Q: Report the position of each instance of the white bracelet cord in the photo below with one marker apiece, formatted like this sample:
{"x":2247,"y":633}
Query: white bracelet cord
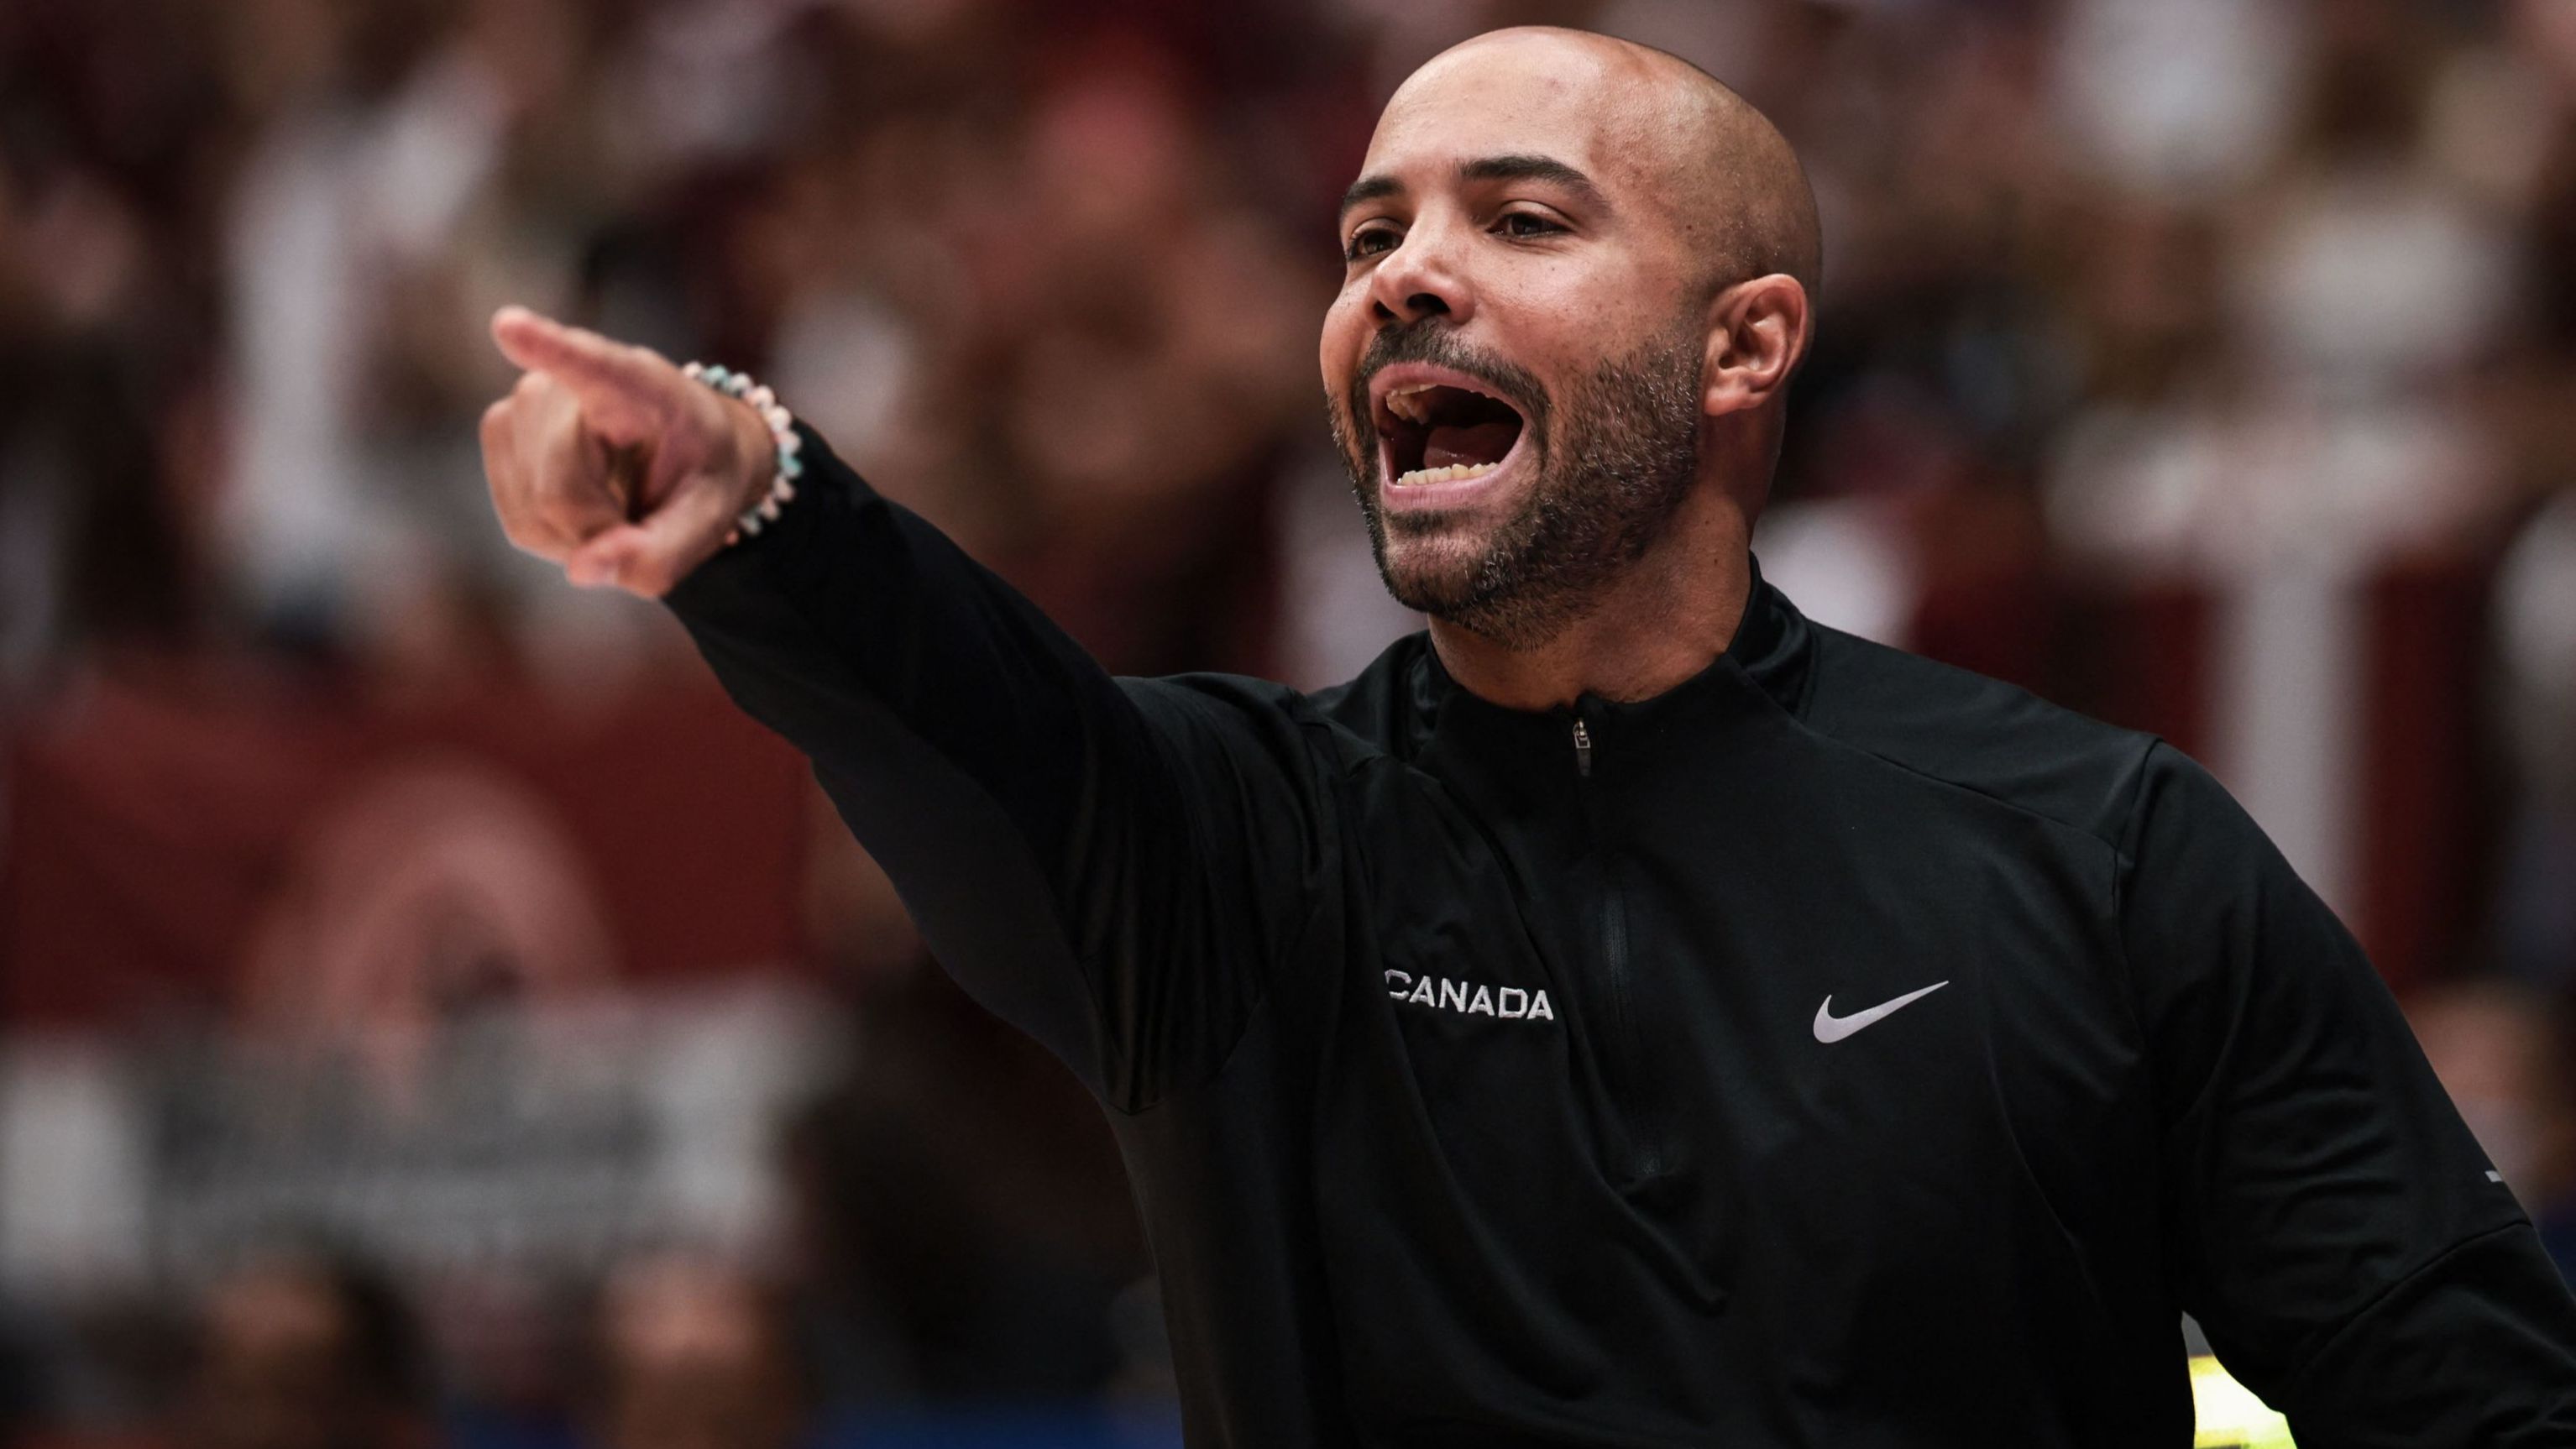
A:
{"x":782,"y":431}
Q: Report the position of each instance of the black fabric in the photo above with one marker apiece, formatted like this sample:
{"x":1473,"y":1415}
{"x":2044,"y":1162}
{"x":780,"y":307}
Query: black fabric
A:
{"x":1470,"y":1069}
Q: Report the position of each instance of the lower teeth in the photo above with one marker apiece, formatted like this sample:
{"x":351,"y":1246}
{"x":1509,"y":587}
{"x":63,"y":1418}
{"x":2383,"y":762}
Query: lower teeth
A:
{"x":1450,"y":474}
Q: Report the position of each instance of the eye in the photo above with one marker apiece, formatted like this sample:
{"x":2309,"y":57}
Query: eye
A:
{"x":1368,"y":241}
{"x":1522,"y":225}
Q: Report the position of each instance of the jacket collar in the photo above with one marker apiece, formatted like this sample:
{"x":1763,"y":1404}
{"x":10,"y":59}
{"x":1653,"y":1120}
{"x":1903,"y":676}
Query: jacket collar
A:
{"x":1763,"y":672}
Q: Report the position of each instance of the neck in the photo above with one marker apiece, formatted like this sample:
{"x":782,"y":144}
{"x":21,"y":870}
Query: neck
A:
{"x":1665,"y":619}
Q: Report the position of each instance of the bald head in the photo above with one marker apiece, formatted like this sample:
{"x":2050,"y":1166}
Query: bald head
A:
{"x":1725,"y":176}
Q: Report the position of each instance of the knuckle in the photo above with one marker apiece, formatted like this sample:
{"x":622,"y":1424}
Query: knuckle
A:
{"x":548,"y":505}
{"x":543,"y":539}
{"x":642,"y":569}
{"x":565,"y":498}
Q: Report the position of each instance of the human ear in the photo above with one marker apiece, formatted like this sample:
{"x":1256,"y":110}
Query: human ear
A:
{"x":1758,"y":333}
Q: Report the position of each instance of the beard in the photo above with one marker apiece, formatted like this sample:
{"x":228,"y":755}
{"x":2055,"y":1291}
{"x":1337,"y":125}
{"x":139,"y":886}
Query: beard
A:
{"x":1605,"y":484}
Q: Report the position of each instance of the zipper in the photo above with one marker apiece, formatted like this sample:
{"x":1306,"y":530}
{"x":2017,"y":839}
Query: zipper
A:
{"x":1612,"y":912}
{"x":1623,"y":1006}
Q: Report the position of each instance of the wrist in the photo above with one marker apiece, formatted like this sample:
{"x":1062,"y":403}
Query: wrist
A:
{"x":755,"y":450}
{"x":775,"y":450}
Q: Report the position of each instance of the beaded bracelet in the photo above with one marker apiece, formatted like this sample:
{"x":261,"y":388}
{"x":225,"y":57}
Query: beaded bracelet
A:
{"x":782,"y":431}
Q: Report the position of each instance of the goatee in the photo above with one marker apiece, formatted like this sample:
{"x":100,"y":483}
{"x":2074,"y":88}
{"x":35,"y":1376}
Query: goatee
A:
{"x":1608,"y":480}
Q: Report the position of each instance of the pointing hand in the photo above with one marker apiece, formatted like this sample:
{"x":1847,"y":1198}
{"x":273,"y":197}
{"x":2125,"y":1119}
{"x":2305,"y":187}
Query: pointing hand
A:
{"x":606,"y":460}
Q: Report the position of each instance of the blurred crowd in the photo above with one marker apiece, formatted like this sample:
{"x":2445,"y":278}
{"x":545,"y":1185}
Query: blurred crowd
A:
{"x":2264,"y":306}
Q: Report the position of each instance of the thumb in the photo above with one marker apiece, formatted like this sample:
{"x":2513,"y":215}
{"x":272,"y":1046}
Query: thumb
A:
{"x":649,"y":557}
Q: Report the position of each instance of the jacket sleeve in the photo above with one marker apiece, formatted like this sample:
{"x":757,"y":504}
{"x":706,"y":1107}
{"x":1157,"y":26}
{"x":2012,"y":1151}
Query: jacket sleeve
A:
{"x":2330,"y":1220}
{"x":1110,"y":864}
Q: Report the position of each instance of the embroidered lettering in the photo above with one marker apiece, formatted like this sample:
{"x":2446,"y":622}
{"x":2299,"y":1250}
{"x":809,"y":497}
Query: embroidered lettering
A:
{"x":1470,"y":998}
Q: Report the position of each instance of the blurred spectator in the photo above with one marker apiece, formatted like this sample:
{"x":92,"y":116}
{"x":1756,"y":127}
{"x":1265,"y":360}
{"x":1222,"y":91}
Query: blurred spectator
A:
{"x":305,"y":1352}
{"x":2502,"y":1050}
{"x":694,"y":1355}
{"x":2536,"y":621}
{"x":964,"y":1230}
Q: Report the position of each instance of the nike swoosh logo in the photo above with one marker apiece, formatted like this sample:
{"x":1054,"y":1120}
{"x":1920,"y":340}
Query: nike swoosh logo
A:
{"x":1830,"y":1027}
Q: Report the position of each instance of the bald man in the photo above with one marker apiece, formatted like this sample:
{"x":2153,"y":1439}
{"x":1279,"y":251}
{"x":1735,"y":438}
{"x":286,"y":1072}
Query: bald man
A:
{"x":1628,"y":1014}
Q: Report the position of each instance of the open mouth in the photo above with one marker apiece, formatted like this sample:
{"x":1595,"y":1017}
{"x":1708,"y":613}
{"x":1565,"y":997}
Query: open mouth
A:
{"x":1442,"y":432}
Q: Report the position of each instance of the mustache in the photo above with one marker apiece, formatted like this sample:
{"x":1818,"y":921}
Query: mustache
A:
{"x":1436,"y":341}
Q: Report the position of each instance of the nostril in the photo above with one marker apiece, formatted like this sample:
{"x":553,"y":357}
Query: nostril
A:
{"x":1419,"y":304}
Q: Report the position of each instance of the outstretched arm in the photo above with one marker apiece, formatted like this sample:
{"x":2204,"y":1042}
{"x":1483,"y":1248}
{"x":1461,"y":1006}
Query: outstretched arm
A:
{"x":1113,"y":865}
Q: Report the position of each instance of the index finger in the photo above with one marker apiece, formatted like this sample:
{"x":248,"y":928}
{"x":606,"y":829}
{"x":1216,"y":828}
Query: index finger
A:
{"x":623,"y":394}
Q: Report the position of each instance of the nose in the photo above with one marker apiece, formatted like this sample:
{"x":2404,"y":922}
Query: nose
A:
{"x":1421,"y":278}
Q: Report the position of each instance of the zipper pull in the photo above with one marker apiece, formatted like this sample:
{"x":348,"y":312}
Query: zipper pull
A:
{"x":1582,"y":749}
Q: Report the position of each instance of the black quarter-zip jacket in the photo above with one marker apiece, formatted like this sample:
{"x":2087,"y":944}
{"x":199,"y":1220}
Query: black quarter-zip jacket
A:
{"x":1837,"y":1050}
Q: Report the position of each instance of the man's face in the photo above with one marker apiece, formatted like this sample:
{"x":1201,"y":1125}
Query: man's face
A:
{"x":1512,"y":367}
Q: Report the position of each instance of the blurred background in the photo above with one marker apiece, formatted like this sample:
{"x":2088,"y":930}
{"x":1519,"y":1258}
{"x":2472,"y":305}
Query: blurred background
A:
{"x":430,"y":1015}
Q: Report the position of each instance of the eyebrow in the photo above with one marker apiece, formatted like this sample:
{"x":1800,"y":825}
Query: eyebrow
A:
{"x":1489,"y":168}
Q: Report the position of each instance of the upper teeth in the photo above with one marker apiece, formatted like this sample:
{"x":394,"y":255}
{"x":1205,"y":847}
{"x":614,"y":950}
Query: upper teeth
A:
{"x":1406,"y":403}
